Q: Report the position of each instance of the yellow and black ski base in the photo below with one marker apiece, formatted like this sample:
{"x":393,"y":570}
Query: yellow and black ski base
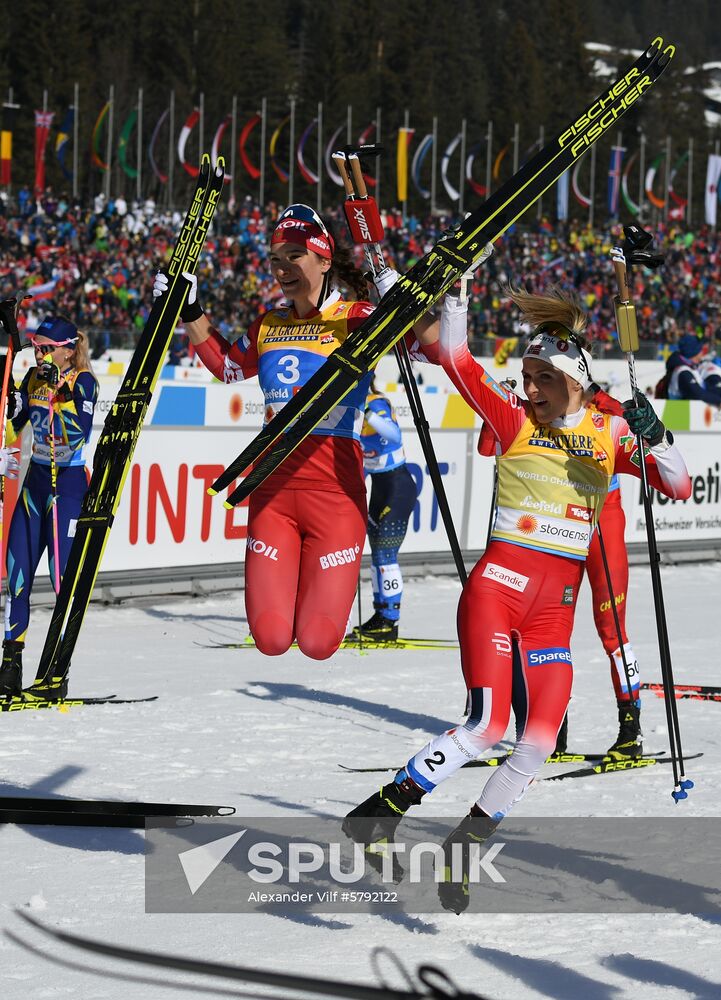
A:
{"x":114,"y":453}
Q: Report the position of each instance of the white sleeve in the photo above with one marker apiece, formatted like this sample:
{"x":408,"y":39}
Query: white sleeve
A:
{"x":453,"y":335}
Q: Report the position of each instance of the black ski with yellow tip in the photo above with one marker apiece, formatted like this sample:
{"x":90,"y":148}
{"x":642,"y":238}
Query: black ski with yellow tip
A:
{"x":114,"y":453}
{"x":417,"y":290}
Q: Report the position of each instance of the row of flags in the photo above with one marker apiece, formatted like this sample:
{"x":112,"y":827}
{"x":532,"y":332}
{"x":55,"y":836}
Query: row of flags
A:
{"x":43,"y":124}
{"x":458,"y":160}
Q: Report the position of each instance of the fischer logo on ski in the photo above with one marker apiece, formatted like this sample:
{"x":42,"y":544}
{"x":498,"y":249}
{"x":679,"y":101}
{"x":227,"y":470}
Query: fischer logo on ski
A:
{"x":430,"y":277}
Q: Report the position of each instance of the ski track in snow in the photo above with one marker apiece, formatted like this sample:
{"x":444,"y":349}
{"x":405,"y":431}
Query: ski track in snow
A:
{"x":266,"y":735}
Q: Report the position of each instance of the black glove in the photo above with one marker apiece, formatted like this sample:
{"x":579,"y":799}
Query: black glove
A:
{"x":64,"y":393}
{"x":15,"y":402}
{"x":49,"y":372}
{"x":642,"y":419}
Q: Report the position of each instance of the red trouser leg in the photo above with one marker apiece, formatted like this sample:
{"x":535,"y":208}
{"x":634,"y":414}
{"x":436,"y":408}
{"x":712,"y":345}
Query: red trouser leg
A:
{"x":272,"y":561}
{"x":613,"y":525}
{"x":301,"y":568}
{"x":334,"y":530}
{"x":530,"y":596}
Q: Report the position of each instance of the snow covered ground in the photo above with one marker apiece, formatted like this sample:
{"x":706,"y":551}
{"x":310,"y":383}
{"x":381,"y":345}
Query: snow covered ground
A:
{"x":267,"y":735}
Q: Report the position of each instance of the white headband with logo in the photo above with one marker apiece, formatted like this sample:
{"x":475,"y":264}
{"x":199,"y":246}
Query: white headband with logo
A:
{"x":562,"y":353}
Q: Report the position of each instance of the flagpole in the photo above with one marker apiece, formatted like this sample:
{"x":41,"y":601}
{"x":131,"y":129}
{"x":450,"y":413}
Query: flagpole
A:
{"x":171,"y":148}
{"x":201,"y":128}
{"x":593,"y":185}
{"x":489,"y":158}
{"x":406,"y":126}
{"x":541,"y":134}
{"x":76,"y":101}
{"x":109,"y":143}
{"x":378,"y":159}
{"x":618,"y":159}
{"x":667,"y":178}
{"x":291,"y":151}
{"x":319,"y":202}
{"x":462,"y":173}
{"x":689,"y":182}
{"x":233,"y":131}
{"x":716,"y":153}
{"x":641,"y":176}
{"x":434,"y":179}
{"x":263,"y":126}
{"x":139,"y":162}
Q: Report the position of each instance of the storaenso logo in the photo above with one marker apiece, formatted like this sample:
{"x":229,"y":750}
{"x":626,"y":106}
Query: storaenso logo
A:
{"x":628,"y":89}
{"x":341,"y":557}
{"x":362,"y":223}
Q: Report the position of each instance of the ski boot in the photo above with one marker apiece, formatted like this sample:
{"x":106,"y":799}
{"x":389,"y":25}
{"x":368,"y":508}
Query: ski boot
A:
{"x":373,"y":823}
{"x":562,"y":738}
{"x":378,"y":628}
{"x":628,"y":743}
{"x":52,"y":689}
{"x":475,"y":828}
{"x":11,"y":669}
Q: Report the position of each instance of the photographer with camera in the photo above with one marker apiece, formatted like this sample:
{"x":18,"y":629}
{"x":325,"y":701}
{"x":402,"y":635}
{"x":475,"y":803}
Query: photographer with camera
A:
{"x":57,"y":398}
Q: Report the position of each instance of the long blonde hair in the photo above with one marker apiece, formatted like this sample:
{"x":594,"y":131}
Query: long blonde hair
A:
{"x":80,"y":357}
{"x":556,"y":306}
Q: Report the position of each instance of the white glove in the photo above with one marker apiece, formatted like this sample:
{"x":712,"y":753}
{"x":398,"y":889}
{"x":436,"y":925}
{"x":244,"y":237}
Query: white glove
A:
{"x":9,"y":465}
{"x":192,"y":288}
{"x":385,"y":280}
{"x":191,"y":309}
{"x":160,"y":285}
{"x":618,"y":256}
{"x":461,"y":288}
{"x":453,"y":332}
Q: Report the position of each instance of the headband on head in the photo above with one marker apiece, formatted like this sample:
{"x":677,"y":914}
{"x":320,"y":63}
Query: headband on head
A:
{"x":58,"y":329}
{"x":299,"y":224}
{"x":559,"y":348}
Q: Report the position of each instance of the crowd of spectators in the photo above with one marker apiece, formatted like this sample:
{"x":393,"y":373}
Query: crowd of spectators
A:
{"x":95,"y":263}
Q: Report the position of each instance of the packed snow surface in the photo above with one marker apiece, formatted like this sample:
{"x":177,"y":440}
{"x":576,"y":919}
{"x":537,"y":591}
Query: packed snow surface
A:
{"x":266,"y":735}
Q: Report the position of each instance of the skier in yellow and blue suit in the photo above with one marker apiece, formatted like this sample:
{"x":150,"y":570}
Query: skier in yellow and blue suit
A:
{"x":393,"y":497}
{"x":63,"y":383}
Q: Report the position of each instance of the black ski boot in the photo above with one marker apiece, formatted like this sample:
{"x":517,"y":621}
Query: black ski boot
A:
{"x":373,"y":823}
{"x":378,"y":628}
{"x":54,"y":689}
{"x":11,"y":669}
{"x":628,"y":743}
{"x":562,"y":738}
{"x":454,"y":890}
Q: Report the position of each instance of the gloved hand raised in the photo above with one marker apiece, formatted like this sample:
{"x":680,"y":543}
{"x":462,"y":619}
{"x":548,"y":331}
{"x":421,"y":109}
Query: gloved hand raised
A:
{"x":459,"y":290}
{"x":385,"y":280}
{"x":48,"y":371}
{"x":192,"y":309}
{"x":9,"y":465}
{"x":641,"y":418}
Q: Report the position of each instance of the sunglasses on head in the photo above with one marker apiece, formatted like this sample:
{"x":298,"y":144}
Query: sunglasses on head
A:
{"x":563,"y":333}
{"x":53,"y":345}
{"x":306,"y":214}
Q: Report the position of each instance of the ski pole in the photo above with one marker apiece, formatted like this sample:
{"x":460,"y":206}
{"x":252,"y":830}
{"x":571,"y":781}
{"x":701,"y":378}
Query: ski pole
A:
{"x":636,"y":251}
{"x":53,"y":485}
{"x":9,"y":310}
{"x":366,"y":228}
{"x":360,"y":615}
{"x":616,"y":621}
